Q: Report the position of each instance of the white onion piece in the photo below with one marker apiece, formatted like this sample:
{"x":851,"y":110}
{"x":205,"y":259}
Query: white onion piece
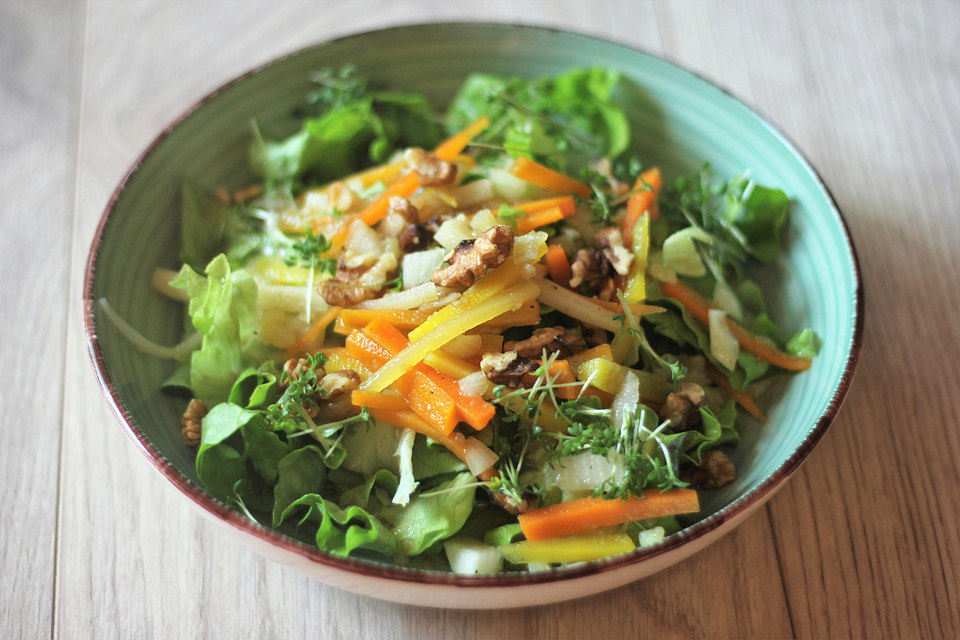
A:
{"x":483,"y":220}
{"x":508,"y":185}
{"x":475,"y":384}
{"x":472,"y":557}
{"x":723,"y":344}
{"x":726,"y":299}
{"x":649,"y":537}
{"x":474,"y":192}
{"x":478,"y":456}
{"x":586,"y":471}
{"x":409,"y":299}
{"x":452,"y":232}
{"x":407,"y":483}
{"x":362,"y":240}
{"x":420,"y":265}
{"x":626,"y":401}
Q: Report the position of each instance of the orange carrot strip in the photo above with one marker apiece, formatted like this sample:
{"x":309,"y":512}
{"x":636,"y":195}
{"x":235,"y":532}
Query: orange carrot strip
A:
{"x":388,"y":401}
{"x":404,"y":319}
{"x":455,"y":442}
{"x":641,"y":201}
{"x":563,"y":373}
{"x":741,"y":397}
{"x":313,"y":332}
{"x":557,"y":265}
{"x":375,"y":211}
{"x":449,"y":148}
{"x":537,"y":174}
{"x":760,"y":347}
{"x":383,"y":173}
{"x":566,"y":203}
{"x":423,"y":395}
{"x":473,"y":410}
{"x":586,"y":514}
{"x":539,"y":219}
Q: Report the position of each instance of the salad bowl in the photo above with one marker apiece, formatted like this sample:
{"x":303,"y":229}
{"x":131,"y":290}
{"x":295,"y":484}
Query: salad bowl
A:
{"x":680,"y":121}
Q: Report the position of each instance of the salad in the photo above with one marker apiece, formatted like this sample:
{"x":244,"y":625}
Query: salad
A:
{"x":489,"y":341}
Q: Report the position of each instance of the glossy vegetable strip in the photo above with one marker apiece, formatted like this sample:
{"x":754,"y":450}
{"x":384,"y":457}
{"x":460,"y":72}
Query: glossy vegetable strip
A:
{"x":760,"y":347}
{"x":562,"y":373}
{"x":473,"y":410}
{"x":438,"y":336}
{"x":423,"y":395}
{"x":539,"y":175}
{"x":494,"y":282}
{"x":526,"y":315}
{"x":405,"y":319}
{"x":388,"y":401}
{"x":635,"y":309}
{"x":339,"y":359}
{"x":590,"y":311}
{"x":582,"y":548}
{"x":600,"y":351}
{"x":587,"y":514}
{"x":557,"y":265}
{"x":314,"y":331}
{"x":455,"y":442}
{"x":566,"y":203}
{"x":449,"y":364}
{"x":377,"y":209}
{"x":741,"y":397}
{"x":641,"y":201}
{"x":383,"y":173}
{"x":538,"y":219}
{"x":636,"y":289}
{"x":449,"y":148}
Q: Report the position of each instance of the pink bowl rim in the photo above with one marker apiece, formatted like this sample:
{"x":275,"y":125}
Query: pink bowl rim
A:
{"x":369,"y":568}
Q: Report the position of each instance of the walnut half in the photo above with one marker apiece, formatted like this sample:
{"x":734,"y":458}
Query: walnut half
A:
{"x":192,"y":422}
{"x":473,"y":258}
{"x":554,"y":339}
{"x":681,"y":407}
{"x":716,"y":470}
{"x":506,"y":368}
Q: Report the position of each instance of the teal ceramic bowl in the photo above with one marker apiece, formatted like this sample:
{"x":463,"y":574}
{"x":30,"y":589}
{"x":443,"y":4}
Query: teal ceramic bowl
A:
{"x":679,"y":119}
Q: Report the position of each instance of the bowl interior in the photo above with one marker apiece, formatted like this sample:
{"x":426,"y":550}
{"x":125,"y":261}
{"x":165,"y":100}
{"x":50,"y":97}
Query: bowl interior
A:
{"x":679,"y":121}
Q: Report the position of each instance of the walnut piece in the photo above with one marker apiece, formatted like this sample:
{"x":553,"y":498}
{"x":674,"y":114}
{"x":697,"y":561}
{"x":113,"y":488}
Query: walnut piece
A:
{"x":506,"y":368}
{"x":592,"y":270}
{"x":358,"y":278}
{"x":510,"y":505}
{"x":610,"y":241}
{"x":472,"y":258}
{"x":294,"y":367}
{"x":433,"y":171}
{"x":192,"y":420}
{"x":415,"y":237}
{"x":335,"y":389}
{"x":554,"y":339}
{"x":681,"y":406}
{"x":716,"y":470}
{"x":403,"y":207}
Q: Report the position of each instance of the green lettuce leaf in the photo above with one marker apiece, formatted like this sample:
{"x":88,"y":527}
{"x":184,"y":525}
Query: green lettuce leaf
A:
{"x":565,"y":120}
{"x":716,"y":430}
{"x":429,"y":519}
{"x":504,"y":534}
{"x":298,"y":473}
{"x":805,"y":344}
{"x":256,"y":388}
{"x":235,"y":441}
{"x":339,"y":531}
{"x":222,"y":308}
{"x":760,"y":213}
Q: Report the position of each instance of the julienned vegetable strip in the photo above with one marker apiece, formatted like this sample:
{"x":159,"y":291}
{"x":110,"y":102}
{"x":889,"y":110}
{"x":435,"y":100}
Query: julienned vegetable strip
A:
{"x":377,"y":209}
{"x":571,"y":549}
{"x":566,"y":203}
{"x":387,"y":401}
{"x":443,"y":333}
{"x":648,"y":185}
{"x":760,"y":347}
{"x":587,"y":514}
{"x":405,"y":320}
{"x":584,"y":309}
{"x":540,"y":176}
{"x":539,"y":219}
{"x":557,"y":265}
{"x":455,"y":442}
{"x":424,"y":396}
{"x":494,"y":282}
{"x":449,"y":148}
{"x":473,"y":410}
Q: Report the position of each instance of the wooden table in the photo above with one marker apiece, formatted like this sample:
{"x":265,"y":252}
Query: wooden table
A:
{"x":862,"y":542}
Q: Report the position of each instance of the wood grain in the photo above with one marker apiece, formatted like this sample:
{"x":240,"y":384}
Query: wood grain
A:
{"x":862,"y":543}
{"x":38,"y":113}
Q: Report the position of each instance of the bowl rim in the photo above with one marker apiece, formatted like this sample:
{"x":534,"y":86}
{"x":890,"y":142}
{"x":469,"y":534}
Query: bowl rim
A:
{"x":751,"y":498}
